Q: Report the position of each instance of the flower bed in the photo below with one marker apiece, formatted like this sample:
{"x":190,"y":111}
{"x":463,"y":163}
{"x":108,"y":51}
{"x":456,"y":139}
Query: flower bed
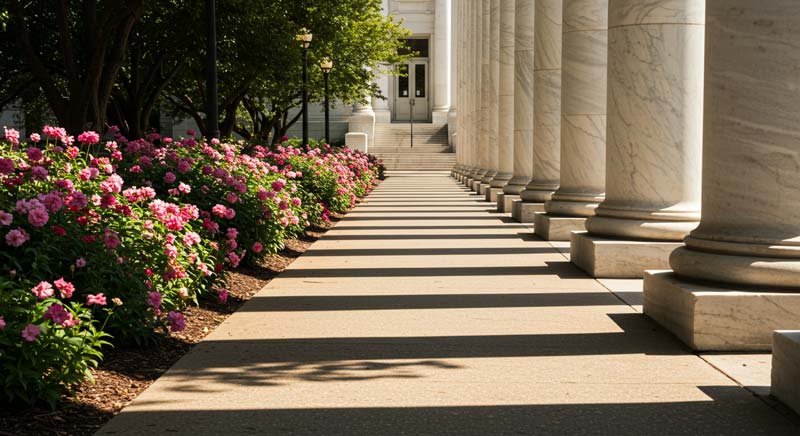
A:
{"x":109,"y":242}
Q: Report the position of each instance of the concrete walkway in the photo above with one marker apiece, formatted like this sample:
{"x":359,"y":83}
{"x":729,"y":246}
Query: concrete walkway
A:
{"x":425,"y":313}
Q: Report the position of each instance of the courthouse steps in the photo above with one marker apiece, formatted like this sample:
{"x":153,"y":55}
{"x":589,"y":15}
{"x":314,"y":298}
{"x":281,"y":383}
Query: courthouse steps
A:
{"x":431,"y":151}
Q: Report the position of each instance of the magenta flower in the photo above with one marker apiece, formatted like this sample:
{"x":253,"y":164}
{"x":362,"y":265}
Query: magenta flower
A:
{"x":257,"y":247}
{"x":278,"y":185}
{"x":98,"y":299}
{"x":2,"y":323}
{"x":34,"y":154}
{"x":31,"y":332}
{"x":39,"y":173}
{"x":169,"y":177}
{"x":64,"y":287}
{"x":222,"y":296}
{"x":17,"y":237}
{"x":6,"y":166}
{"x":57,"y":314}
{"x":154,"y":299}
{"x":176,"y":321}
{"x":80,"y":263}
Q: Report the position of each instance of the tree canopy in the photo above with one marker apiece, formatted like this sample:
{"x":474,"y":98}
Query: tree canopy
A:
{"x":100,"y":62}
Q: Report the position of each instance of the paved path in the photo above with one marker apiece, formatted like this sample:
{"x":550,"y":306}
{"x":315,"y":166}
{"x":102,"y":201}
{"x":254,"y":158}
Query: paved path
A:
{"x":424,"y":313}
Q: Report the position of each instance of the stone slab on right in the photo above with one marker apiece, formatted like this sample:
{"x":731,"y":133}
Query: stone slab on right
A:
{"x":556,"y":228}
{"x":618,"y":259}
{"x":786,"y":367}
{"x":523,"y":212}
{"x":709,"y":318}
{"x":505,"y":202}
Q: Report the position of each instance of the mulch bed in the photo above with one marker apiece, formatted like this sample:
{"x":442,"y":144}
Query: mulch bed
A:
{"x":126,"y":372}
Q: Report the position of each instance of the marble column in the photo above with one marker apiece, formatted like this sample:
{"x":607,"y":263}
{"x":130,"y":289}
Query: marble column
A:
{"x":484,"y":174}
{"x":654,"y":138}
{"x":738,"y":277}
{"x":505,"y":99}
{"x":524,"y":20}
{"x":546,"y":111}
{"x":452,"y":115}
{"x":493,"y":94}
{"x":471,"y":68}
{"x":362,"y":120}
{"x":441,"y":61}
{"x":583,"y":120}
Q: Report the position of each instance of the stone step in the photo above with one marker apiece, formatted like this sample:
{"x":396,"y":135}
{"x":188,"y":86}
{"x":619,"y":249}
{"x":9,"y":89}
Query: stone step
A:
{"x":406,"y":149}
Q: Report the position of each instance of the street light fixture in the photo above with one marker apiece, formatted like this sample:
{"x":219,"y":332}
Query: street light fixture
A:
{"x":304,"y":38}
{"x":326,"y":65}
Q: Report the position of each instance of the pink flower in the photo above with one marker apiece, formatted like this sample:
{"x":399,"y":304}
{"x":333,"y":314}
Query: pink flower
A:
{"x":184,"y":188}
{"x":230,"y":214}
{"x":43,"y":290}
{"x":31,"y":332}
{"x":35,"y":137}
{"x":38,"y":217}
{"x":89,"y":137}
{"x":64,"y":287}
{"x":5,"y":218}
{"x":73,"y":152}
{"x":111,"y":239}
{"x":191,"y":238}
{"x":169,"y":177}
{"x":12,"y":135}
{"x":113,"y":184}
{"x":80,"y":263}
{"x":98,"y":299}
{"x":184,"y":166}
{"x":231,"y":197}
{"x":176,"y":321}
{"x":296,"y":201}
{"x":154,"y":299}
{"x":257,"y":247}
{"x":57,"y":314}
{"x":219,"y":210}
{"x":17,"y":237}
{"x":222,"y":296}
{"x":191,"y":132}
{"x":2,"y":323}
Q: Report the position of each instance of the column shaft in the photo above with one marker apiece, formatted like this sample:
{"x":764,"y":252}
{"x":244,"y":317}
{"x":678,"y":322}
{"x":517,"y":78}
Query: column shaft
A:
{"x":583,"y":109}
{"x":547,"y":103}
{"x":441,"y":61}
{"x":524,"y":21}
{"x":505,"y":95}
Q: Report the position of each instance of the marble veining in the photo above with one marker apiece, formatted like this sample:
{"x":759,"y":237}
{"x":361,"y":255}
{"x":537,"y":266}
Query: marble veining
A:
{"x":627,"y":12}
{"x":524,"y":19}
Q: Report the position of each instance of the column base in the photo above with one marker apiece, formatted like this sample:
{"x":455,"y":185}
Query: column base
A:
{"x":482,"y":188}
{"x":476,"y":186}
{"x":618,"y":259}
{"x":556,"y":228}
{"x":523,"y":212}
{"x":786,"y":368}
{"x":468,"y":182}
{"x":504,"y":202}
{"x":491,"y":193}
{"x":439,"y":116}
{"x":711,"y":318}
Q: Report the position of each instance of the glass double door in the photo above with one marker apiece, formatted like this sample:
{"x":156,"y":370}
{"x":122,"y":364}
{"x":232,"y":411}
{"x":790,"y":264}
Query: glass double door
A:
{"x":411,"y":92}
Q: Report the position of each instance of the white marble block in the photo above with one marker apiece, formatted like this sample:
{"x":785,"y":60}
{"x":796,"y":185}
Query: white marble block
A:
{"x":556,"y":228}
{"x":491,"y":193}
{"x":523,"y":212}
{"x":505,"y":202}
{"x":618,"y":259}
{"x":356,"y":141}
{"x":786,"y":367}
{"x":715,"y":318}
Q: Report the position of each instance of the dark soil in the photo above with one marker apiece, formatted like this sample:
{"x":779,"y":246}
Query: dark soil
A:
{"x":125,"y":372}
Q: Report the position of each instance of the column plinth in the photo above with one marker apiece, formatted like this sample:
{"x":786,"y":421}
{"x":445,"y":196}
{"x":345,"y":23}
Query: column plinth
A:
{"x":738,"y":277}
{"x":583,"y":112}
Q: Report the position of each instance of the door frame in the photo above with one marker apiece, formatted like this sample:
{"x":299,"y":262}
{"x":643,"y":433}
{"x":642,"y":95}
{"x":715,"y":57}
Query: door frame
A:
{"x":396,"y":88}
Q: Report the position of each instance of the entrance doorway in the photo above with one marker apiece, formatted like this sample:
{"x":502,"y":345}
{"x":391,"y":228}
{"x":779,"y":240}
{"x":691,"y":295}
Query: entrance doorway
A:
{"x":411,"y":92}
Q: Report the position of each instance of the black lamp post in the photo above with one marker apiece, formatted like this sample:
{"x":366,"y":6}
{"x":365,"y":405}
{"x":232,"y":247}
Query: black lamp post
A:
{"x":212,"y":114}
{"x":326,"y":65}
{"x":304,"y":38}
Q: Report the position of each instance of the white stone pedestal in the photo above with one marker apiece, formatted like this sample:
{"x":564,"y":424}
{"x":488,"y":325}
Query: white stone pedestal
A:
{"x":483,"y":187}
{"x":710,"y":318}
{"x":474,"y":185}
{"x":356,"y":141}
{"x":786,"y":367}
{"x":505,"y":201}
{"x":556,"y":228}
{"x":523,"y":212}
{"x":491,"y":194}
{"x":618,"y":259}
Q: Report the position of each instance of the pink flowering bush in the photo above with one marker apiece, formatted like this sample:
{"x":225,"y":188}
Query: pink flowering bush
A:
{"x":104,"y":239}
